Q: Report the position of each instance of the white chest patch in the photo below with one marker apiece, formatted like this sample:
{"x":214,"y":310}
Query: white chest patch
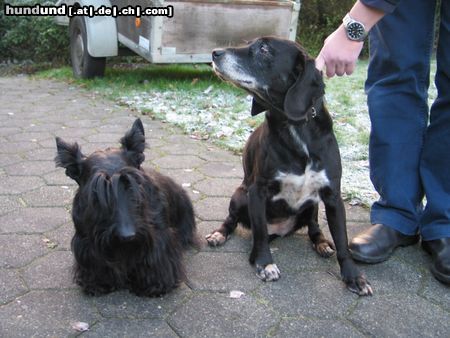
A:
{"x":297,"y":189}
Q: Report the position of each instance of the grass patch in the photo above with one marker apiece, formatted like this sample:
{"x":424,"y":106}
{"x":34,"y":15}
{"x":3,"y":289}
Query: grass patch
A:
{"x":124,"y":79}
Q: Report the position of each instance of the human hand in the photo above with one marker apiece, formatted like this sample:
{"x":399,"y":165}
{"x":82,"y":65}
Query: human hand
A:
{"x":339,"y":54}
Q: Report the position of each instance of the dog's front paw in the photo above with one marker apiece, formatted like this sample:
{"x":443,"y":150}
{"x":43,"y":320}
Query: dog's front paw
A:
{"x":215,"y":239}
{"x":269,"y":273}
{"x":360,"y":285}
{"x":324,"y":249}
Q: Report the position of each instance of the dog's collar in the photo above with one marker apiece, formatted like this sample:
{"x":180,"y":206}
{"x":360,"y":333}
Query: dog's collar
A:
{"x":311,"y":113}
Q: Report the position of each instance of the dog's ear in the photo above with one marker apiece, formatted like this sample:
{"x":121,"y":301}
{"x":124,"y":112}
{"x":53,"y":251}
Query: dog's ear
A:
{"x":134,"y":143}
{"x":69,"y":156}
{"x":308,"y":86}
{"x":257,"y":107}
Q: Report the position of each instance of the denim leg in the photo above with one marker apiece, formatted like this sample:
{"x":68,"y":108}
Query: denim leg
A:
{"x":435,"y":162}
{"x":397,"y":90}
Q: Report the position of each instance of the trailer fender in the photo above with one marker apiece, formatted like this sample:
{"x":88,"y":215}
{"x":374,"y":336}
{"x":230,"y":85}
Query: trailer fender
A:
{"x":101,"y":31}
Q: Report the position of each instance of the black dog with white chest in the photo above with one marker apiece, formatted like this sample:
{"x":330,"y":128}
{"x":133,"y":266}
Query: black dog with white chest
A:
{"x":291,"y":162}
{"x":131,"y":225}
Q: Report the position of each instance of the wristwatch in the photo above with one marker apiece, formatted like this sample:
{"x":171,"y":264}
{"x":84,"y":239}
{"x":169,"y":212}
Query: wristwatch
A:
{"x":355,"y":30}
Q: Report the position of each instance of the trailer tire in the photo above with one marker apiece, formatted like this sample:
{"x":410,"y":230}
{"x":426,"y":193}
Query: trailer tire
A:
{"x":84,"y":65}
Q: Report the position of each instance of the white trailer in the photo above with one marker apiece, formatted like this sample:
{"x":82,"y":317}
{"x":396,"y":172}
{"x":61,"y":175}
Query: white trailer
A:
{"x":189,"y":36}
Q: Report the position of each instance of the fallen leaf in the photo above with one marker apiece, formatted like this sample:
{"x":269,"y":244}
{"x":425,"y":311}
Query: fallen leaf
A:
{"x":80,"y":326}
{"x":236,"y":294}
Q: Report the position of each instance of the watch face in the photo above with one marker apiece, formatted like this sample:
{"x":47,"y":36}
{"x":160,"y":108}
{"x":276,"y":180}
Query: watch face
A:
{"x":355,"y":31}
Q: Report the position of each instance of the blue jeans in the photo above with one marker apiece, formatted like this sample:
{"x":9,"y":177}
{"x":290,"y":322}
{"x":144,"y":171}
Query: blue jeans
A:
{"x":409,"y":147}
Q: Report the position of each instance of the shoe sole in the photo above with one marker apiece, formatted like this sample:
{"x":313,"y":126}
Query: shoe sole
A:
{"x":437,"y":274}
{"x":373,"y":260}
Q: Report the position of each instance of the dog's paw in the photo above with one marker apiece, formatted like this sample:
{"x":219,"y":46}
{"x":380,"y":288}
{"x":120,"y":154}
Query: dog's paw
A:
{"x":324,"y":249}
{"x":215,"y":239}
{"x":269,"y":273}
{"x":360,"y":285}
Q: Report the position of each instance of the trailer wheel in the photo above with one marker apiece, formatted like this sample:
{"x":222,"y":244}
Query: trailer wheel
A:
{"x":84,"y":65}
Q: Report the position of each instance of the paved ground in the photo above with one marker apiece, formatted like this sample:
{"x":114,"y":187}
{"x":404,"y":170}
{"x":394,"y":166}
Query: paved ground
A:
{"x":38,"y":298}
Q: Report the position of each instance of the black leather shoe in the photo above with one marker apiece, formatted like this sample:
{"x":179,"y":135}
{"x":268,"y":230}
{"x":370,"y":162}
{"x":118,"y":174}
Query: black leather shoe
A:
{"x":439,"y":249}
{"x":377,"y":243}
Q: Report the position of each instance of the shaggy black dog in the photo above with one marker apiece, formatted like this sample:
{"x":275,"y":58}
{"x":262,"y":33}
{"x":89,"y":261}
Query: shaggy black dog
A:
{"x":131,"y":225}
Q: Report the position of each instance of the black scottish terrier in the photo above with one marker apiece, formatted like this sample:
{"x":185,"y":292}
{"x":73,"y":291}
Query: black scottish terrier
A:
{"x":131,"y":225}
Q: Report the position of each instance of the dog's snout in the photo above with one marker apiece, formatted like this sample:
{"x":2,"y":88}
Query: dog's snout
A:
{"x":126,"y":232}
{"x":217,"y":53}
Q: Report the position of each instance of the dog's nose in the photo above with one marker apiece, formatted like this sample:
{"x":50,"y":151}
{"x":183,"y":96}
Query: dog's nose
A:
{"x":126,"y":232}
{"x":217,"y":53}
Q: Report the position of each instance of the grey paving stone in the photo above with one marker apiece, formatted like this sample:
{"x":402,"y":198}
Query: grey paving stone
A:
{"x":222,"y":169}
{"x":53,"y":271}
{"x":49,"y":143}
{"x":105,"y":138}
{"x":295,"y":253}
{"x":155,"y":143}
{"x":30,"y":168}
{"x":30,"y":136}
{"x":112,"y":328}
{"x":32,"y":220}
{"x":185,"y":177}
{"x":437,"y":292}
{"x":223,"y":187}
{"x":20,"y":250}
{"x":7,"y":159}
{"x":217,"y":315}
{"x":413,"y":255}
{"x":185,"y":147}
{"x":122,"y":304}
{"x":310,"y":294}
{"x":309,"y":328}
{"x":62,"y":236}
{"x":214,"y":154}
{"x":50,"y":196}
{"x":114,"y":128}
{"x":11,"y":185}
{"x":42,"y":154}
{"x":81,"y":123}
{"x":10,"y":130}
{"x":393,"y":277}
{"x":17,"y":147}
{"x":400,"y":316}
{"x":212,"y":208}
{"x":75,"y":134}
{"x":9,"y":203}
{"x":42,"y":126}
{"x":46,"y":314}
{"x":150,"y":155}
{"x":221,"y":271}
{"x":357,"y":214}
{"x":58,"y":177}
{"x":178,"y":162}
{"x":11,"y":285}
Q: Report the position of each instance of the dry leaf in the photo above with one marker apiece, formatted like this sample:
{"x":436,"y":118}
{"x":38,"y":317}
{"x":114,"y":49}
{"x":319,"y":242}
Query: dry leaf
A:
{"x":236,"y":294}
{"x":80,"y":326}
